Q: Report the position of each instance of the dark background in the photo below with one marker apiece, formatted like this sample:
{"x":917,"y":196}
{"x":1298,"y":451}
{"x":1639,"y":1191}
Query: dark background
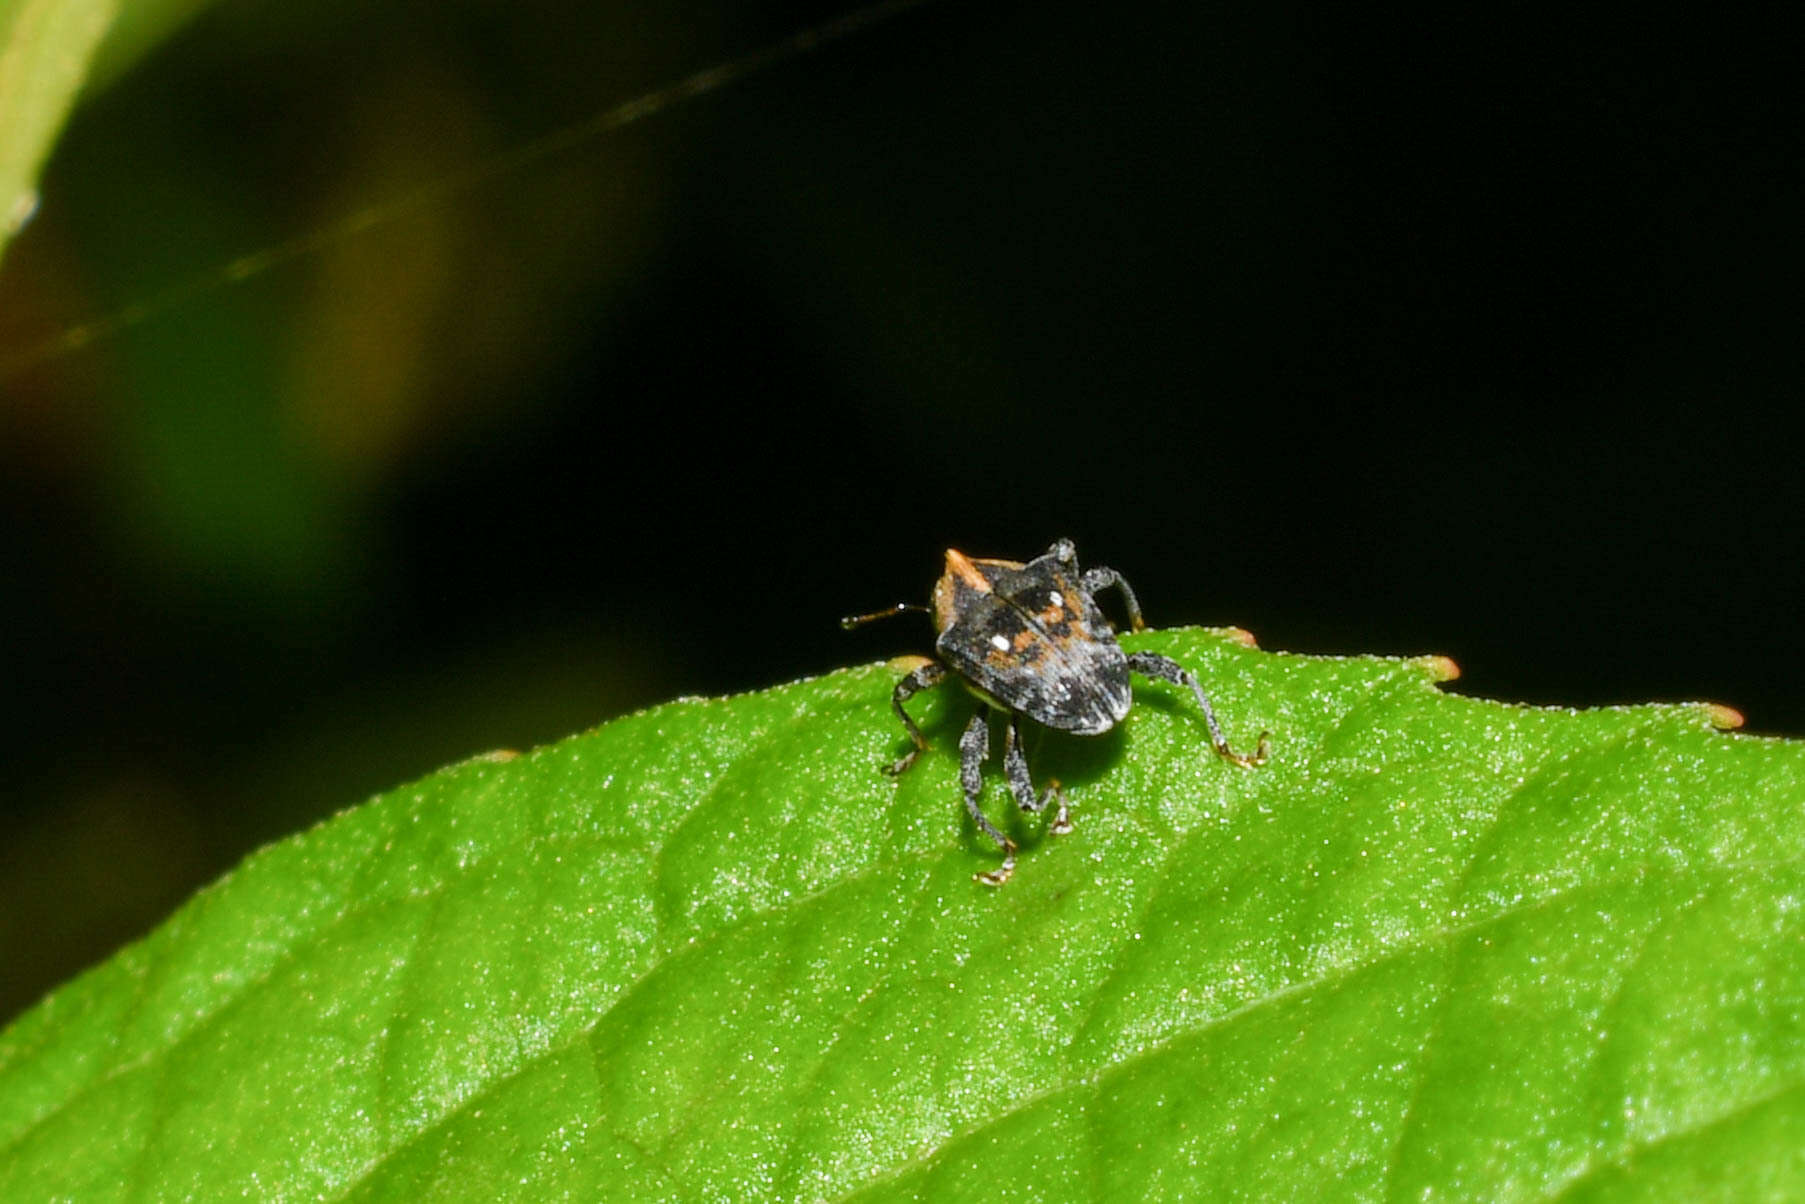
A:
{"x":1448,"y":332}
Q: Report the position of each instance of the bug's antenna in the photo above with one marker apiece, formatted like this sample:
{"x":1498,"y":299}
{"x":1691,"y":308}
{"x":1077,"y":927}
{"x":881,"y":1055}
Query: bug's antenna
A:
{"x":851,"y":621}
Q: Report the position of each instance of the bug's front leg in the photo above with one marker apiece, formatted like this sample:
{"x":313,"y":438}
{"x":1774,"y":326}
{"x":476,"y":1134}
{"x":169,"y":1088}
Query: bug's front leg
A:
{"x":974,"y":746}
{"x":926,"y":677}
{"x":1152,"y":664}
{"x":1015,"y":768}
{"x":1101,"y":579}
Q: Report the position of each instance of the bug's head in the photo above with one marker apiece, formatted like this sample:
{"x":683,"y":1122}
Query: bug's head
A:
{"x":962,"y":583}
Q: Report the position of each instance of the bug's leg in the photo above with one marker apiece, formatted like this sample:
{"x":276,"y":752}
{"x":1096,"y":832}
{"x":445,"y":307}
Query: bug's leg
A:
{"x":974,"y":746}
{"x":1015,"y":768}
{"x":1152,"y":664}
{"x":1101,"y":579}
{"x":925,"y":677}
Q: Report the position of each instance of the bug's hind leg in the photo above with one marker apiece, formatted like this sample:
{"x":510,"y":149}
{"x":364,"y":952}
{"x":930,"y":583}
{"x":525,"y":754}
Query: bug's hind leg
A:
{"x":925,"y":677}
{"x":1015,"y":768}
{"x":1152,"y":664}
{"x":974,"y":746}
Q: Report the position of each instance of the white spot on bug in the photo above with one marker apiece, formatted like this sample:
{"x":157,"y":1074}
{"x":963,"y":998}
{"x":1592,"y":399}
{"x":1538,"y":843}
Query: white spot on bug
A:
{"x":1056,"y":598}
{"x":1000,"y":643}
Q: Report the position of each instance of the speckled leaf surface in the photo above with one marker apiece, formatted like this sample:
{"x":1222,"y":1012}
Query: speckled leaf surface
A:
{"x":1438,"y":948}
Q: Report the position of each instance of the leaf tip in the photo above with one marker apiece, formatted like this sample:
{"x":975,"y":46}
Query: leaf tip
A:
{"x":1723,"y":718}
{"x":1439,"y":668}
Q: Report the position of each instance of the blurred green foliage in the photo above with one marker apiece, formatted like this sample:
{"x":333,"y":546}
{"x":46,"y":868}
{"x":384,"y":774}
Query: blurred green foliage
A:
{"x":217,"y":385}
{"x":53,"y":53}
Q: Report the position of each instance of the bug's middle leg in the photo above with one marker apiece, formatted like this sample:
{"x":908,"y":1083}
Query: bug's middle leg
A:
{"x":1015,"y":768}
{"x":974,"y":746}
{"x":1152,"y":664}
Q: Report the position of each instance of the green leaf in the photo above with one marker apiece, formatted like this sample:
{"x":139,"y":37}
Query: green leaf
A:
{"x":50,"y":51}
{"x":1436,"y":948}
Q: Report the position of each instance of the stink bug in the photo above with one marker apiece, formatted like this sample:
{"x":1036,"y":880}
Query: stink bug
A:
{"x":1029,"y":639}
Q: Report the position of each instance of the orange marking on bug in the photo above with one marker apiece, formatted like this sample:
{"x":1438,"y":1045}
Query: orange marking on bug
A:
{"x":1023,"y":639}
{"x":958,"y":565}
